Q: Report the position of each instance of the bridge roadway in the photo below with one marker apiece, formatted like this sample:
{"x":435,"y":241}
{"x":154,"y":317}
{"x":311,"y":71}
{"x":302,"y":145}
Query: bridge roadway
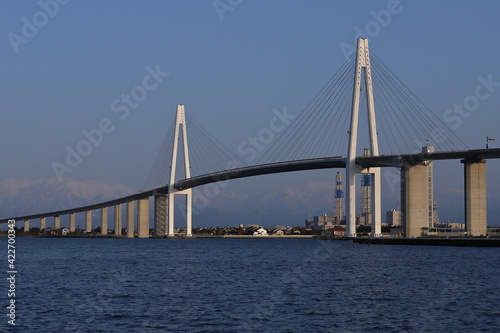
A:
{"x":417,"y":158}
{"x":335,"y":162}
{"x":264,"y":169}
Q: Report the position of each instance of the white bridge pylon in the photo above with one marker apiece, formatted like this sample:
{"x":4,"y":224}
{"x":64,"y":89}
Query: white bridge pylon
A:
{"x":363,"y":69}
{"x":180,"y":119}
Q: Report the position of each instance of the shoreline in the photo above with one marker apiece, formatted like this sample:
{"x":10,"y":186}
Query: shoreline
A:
{"x":429,"y":241}
{"x":473,"y":241}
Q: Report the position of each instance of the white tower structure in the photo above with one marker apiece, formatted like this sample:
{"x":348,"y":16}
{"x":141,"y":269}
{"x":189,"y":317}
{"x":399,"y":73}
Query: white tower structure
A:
{"x":339,"y":199}
{"x":363,"y":69}
{"x":180,"y":119}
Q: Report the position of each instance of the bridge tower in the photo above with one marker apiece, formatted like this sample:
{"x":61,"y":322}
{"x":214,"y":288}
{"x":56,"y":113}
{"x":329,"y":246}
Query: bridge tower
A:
{"x":362,"y":69}
{"x":180,"y":120}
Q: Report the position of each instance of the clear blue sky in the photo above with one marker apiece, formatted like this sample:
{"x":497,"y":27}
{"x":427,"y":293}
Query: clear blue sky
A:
{"x":230,"y":74}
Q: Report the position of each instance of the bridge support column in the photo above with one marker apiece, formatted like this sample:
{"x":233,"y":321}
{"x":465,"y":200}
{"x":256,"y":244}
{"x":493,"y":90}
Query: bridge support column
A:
{"x":475,"y":197}
{"x":189,"y":213}
{"x":130,"y":219}
{"x":161,"y":215}
{"x":72,"y":222}
{"x":118,"y":220}
{"x":171,"y":214}
{"x":171,"y":207}
{"x":88,"y":221}
{"x":43,"y":223}
{"x":26,"y":225}
{"x":414,"y":206}
{"x":57,"y":222}
{"x":377,"y":203}
{"x":351,"y":170}
{"x":104,"y":221}
{"x":143,"y":218}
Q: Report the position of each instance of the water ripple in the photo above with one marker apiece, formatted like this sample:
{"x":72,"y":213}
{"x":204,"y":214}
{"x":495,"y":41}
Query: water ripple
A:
{"x":222,"y":285}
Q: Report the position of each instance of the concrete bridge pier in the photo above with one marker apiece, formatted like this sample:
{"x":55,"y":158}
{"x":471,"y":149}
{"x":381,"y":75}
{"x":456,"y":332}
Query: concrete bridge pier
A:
{"x":475,"y":197}
{"x":376,"y":222}
{"x":351,"y":170}
{"x":88,"y":221}
{"x":43,"y":223}
{"x":170,"y":213}
{"x":161,"y":216}
{"x":189,"y":213}
{"x":130,"y":219}
{"x":118,"y":219}
{"x":104,"y":221}
{"x":171,"y":209}
{"x":413,"y":199}
{"x":57,"y":222}
{"x":143,"y":218}
{"x":26,"y":225}
{"x":72,"y":222}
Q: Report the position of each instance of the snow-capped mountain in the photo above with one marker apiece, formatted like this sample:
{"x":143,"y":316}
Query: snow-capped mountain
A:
{"x":24,"y":197}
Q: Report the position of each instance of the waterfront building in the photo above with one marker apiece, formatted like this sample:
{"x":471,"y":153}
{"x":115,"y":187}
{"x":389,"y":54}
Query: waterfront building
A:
{"x":393,"y":218}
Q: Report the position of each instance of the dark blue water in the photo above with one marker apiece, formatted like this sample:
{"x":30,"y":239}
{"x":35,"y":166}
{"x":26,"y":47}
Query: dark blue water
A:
{"x":252,"y":285}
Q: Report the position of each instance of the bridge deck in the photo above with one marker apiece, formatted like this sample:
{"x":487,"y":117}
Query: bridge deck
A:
{"x":397,"y":160}
{"x":264,"y":169}
{"x":113,"y":202}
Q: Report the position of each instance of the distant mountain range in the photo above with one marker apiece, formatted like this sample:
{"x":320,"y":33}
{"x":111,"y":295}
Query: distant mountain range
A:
{"x":24,"y":197}
{"x":286,"y":206}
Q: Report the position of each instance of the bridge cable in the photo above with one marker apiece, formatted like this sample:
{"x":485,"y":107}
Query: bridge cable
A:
{"x":288,"y":140}
{"x":384,"y":98}
{"x":211,"y":149}
{"x":401,"y":99}
{"x":158,"y":173}
{"x":299,"y":135}
{"x":426,"y":115}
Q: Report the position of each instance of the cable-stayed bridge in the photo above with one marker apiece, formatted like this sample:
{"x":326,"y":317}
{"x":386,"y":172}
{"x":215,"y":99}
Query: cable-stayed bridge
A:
{"x":403,"y":133}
